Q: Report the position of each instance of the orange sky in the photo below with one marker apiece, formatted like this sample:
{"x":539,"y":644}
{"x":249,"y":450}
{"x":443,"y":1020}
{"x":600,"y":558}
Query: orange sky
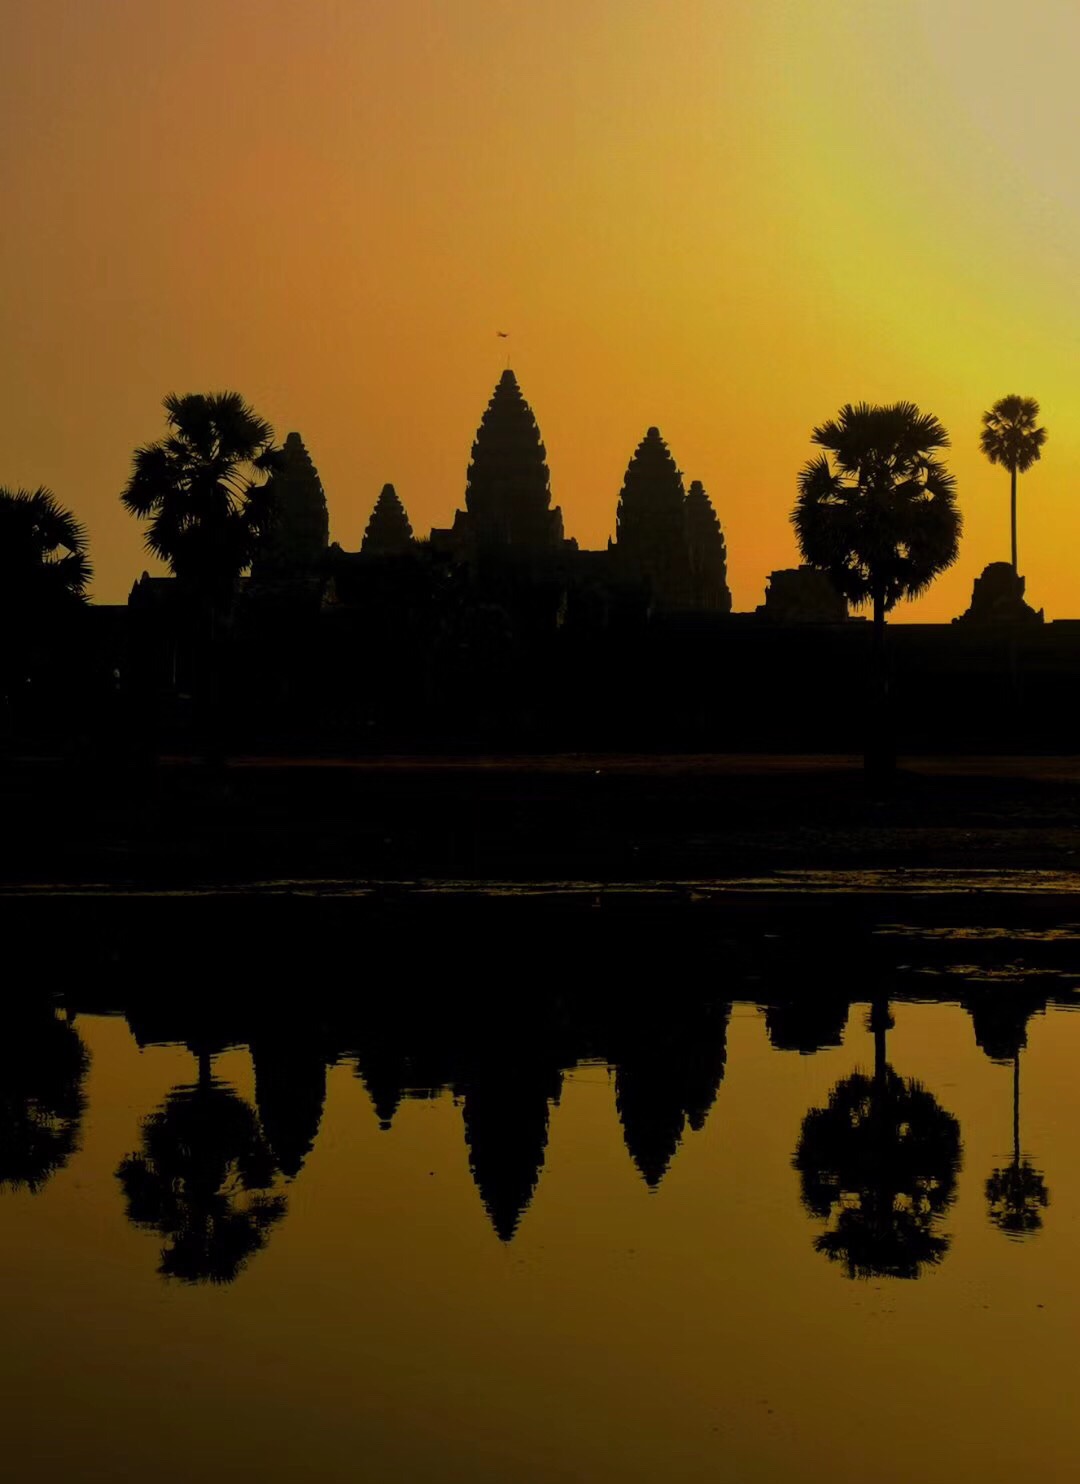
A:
{"x":726,"y":217}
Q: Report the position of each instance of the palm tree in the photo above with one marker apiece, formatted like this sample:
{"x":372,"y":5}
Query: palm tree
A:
{"x":204,"y":491}
{"x":1016,"y":1194}
{"x":43,"y":1065}
{"x":879,"y":1166}
{"x":877,"y":512}
{"x":203,"y":1180}
{"x":43,"y":557}
{"x":1010,"y":437}
{"x":44,"y":572}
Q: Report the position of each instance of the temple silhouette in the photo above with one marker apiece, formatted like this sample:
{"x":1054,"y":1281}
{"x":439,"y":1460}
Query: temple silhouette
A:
{"x":498,"y":631}
{"x":669,"y":550}
{"x":668,"y":554}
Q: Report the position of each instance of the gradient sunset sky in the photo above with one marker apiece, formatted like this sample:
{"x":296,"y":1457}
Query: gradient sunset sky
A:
{"x":725,"y":217}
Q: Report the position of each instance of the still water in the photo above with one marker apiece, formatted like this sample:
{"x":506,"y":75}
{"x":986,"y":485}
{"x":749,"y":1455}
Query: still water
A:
{"x":816,"y":1239}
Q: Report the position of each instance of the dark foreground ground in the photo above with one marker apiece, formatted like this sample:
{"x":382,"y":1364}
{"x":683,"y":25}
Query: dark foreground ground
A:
{"x":598,"y":821}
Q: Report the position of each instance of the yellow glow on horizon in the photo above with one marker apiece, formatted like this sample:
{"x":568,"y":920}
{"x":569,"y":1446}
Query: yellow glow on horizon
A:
{"x":723,"y":218}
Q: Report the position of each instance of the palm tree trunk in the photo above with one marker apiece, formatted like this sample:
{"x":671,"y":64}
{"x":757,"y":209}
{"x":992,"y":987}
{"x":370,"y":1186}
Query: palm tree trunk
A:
{"x":212,"y":638}
{"x":1012,"y":471}
{"x":879,"y":1024}
{"x":879,"y":762}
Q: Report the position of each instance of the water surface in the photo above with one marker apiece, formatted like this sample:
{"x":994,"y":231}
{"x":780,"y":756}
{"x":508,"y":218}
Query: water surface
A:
{"x":676,"y":1237}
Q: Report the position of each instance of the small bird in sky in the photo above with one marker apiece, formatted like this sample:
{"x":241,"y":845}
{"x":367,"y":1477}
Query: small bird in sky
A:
{"x":503,"y":334}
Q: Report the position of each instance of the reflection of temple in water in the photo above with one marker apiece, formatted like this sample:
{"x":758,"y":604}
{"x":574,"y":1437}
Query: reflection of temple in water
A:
{"x":505,"y":1112}
{"x":211,"y":1171}
{"x":667,"y":1077}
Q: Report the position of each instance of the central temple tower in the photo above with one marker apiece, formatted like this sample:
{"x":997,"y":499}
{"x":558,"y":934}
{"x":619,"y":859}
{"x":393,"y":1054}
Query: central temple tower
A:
{"x":508,"y":509}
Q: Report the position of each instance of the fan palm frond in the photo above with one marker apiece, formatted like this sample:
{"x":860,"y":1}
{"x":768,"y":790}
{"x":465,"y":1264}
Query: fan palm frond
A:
{"x":877,"y":510}
{"x":1010,"y":434}
{"x":44,"y":557}
{"x":202,"y":489}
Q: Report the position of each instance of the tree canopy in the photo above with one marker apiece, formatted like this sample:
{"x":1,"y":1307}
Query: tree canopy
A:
{"x":203,"y":1180}
{"x":877,"y":510}
{"x":879,"y":1165}
{"x":1010,"y":434}
{"x":43,"y":1065}
{"x":44,"y":561}
{"x":1012,"y":438}
{"x":203,"y":489}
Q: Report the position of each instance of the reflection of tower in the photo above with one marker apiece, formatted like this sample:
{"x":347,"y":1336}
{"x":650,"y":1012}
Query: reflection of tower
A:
{"x":878,"y":1165}
{"x":506,"y":1110}
{"x":508,"y":496}
{"x":667,"y":1075}
{"x":290,"y":1089}
{"x":383,"y":1070}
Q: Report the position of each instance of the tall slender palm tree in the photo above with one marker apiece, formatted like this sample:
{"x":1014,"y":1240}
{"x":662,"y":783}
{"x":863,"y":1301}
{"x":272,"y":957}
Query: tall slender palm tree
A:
{"x":203,"y":489}
{"x":1016,"y":1194}
{"x":1010,"y":437}
{"x":877,"y":512}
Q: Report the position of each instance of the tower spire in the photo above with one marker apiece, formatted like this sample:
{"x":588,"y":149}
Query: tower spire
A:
{"x":508,"y":488}
{"x":388,"y":531}
{"x":650,"y":523}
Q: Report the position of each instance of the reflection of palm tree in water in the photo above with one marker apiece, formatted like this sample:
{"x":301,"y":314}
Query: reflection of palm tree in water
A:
{"x":201,"y":1180}
{"x":43,"y":1065}
{"x":1000,"y":1010}
{"x":879,"y":1165}
{"x":1017,"y":1193}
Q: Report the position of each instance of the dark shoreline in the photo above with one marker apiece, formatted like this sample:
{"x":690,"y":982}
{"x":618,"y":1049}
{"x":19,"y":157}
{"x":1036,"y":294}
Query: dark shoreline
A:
{"x":597,"y":820}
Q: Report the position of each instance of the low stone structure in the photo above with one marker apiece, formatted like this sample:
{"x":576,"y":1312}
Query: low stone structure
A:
{"x":801,"y":595}
{"x":997,"y":599}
